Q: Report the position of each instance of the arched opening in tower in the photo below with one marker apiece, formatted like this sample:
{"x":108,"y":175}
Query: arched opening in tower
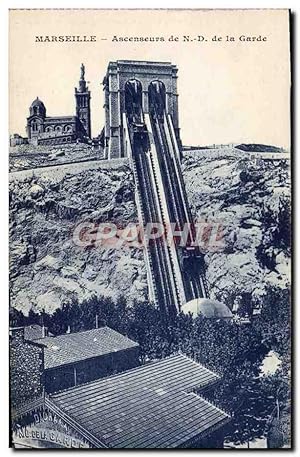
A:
{"x":133,"y":101}
{"x":157,"y":98}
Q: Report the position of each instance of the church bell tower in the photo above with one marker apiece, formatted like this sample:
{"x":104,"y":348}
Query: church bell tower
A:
{"x":83,"y":109}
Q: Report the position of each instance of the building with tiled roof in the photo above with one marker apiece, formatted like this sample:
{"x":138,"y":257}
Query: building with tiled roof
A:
{"x":74,"y":358}
{"x":71,"y":348}
{"x":158,"y":405}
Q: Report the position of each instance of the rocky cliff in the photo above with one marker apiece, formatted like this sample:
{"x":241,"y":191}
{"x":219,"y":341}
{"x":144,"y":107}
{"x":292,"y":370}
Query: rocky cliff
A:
{"x":27,"y":156}
{"x":47,"y":268}
{"x":248,"y":196}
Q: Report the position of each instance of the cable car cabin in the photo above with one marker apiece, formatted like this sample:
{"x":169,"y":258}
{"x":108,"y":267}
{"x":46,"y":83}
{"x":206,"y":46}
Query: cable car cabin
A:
{"x":140,"y":137}
{"x":190,"y":258}
{"x":189,"y":251}
{"x":157,"y":99}
{"x":192,"y":251}
{"x":133,"y":100}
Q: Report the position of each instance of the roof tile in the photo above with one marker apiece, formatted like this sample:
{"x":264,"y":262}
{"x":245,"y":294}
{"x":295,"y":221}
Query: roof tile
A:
{"x":152,"y":406}
{"x":75,"y":347}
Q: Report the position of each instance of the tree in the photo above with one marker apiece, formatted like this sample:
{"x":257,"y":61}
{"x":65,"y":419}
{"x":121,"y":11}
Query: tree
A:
{"x":16,"y":318}
{"x":233,"y":351}
{"x":251,"y":414}
{"x":276,"y":230}
{"x":275,"y":322}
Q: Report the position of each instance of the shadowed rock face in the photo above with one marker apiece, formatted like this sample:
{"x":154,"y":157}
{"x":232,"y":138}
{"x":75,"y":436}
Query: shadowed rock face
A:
{"x":249,"y":198}
{"x":48,"y":269}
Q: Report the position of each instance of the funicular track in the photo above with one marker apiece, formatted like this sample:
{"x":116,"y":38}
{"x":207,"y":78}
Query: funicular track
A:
{"x":157,"y":248}
{"x":195,"y":284}
{"x":176,"y":271}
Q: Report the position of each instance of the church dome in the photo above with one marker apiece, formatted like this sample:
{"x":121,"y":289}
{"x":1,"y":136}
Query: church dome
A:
{"x":208,"y":308}
{"x":37,"y":107}
{"x":37,"y":102}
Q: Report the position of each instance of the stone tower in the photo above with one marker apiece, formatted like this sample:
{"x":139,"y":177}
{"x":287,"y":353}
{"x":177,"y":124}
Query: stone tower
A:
{"x":144,"y":73}
{"x":83,"y":109}
{"x":35,"y":121}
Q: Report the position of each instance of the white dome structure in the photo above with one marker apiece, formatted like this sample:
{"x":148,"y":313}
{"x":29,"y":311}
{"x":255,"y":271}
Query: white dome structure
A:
{"x":212,"y":309}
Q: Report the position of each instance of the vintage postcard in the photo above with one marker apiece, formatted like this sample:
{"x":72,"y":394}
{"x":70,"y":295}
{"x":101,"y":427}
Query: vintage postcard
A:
{"x":150,"y":229}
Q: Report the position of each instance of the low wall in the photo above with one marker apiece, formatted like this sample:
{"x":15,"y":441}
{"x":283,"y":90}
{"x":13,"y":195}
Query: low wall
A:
{"x":59,"y":171}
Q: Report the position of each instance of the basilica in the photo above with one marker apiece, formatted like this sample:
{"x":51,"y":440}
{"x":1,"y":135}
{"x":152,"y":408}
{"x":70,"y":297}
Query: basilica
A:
{"x":52,"y":130}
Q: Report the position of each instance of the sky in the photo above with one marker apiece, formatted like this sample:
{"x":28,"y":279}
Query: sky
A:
{"x":229,"y":91}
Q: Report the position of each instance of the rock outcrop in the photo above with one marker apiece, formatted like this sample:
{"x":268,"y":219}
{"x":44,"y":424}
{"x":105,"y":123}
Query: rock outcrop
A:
{"x":27,"y":156}
{"x":248,"y":197}
{"x":47,"y":268}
